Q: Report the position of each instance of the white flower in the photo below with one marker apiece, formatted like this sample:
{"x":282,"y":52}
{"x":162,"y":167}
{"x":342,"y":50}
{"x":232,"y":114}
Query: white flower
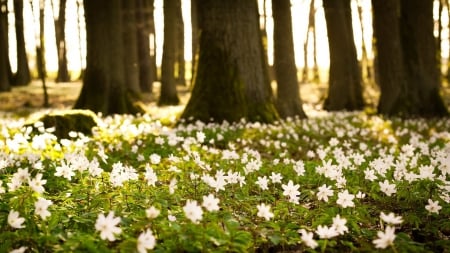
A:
{"x":370,"y":174}
{"x":146,"y":241}
{"x":291,"y":190}
{"x":275,"y":177}
{"x":94,"y":168}
{"x":360,"y":195}
{"x":37,"y":183}
{"x":345,"y":199}
{"x":387,"y":188}
{"x":307,"y":238}
{"x":339,"y":225}
{"x":155,"y":158}
{"x":211,"y":203}
{"x":385,"y":239}
{"x":150,"y":175}
{"x":65,"y":171}
{"x":107,"y":226}
{"x":19,"y":250}
{"x":262,"y":182}
{"x":41,"y":206}
{"x":152,"y":212}
{"x":324,"y":192}
{"x":264,"y":211}
{"x":391,"y":218}
{"x":299,"y":167}
{"x":171,"y":217}
{"x":325,"y":232}
{"x":14,"y":219}
{"x":193,"y":211}
{"x":433,"y":206}
{"x":200,"y":136}
{"x":173,"y":185}
{"x":23,"y":175}
{"x":15,"y":183}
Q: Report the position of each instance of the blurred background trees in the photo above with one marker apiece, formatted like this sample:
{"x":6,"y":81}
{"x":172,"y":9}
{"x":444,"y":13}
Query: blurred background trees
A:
{"x":390,"y":55}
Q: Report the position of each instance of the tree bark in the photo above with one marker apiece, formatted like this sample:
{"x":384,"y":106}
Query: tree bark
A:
{"x":60,"y":35}
{"x":144,"y":16}
{"x":104,"y":89}
{"x":130,"y":47}
{"x":180,"y":62}
{"x":310,"y":27}
{"x":195,"y":37}
{"x":231,"y":80}
{"x":169,"y":95}
{"x":22,"y":75}
{"x":79,"y":28}
{"x":288,"y":93}
{"x":5,"y":84}
{"x":391,"y":72}
{"x":345,"y":89}
{"x":40,"y":53}
{"x":419,"y":52}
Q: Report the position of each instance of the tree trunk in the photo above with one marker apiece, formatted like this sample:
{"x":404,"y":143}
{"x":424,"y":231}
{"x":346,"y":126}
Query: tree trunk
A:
{"x":365,"y":64}
{"x":60,"y":35}
{"x":180,"y":62}
{"x":5,"y":81}
{"x":419,"y":52}
{"x":40,"y":53}
{"x":169,"y":94}
{"x":195,"y":37}
{"x":345,"y":90}
{"x":79,"y":28}
{"x":448,"y":51}
{"x":288,"y":94}
{"x":144,"y":16}
{"x":130,"y":47}
{"x":104,"y":89}
{"x":22,"y":75}
{"x":391,"y":73}
{"x":310,"y":26}
{"x":312,"y":18}
{"x":231,"y":80}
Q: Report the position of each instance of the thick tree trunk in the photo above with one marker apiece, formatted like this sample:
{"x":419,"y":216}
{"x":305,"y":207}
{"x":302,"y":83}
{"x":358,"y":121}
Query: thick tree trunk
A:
{"x":345,"y":89}
{"x":231,"y":80}
{"x":130,"y":47}
{"x":104,"y":89}
{"x":419,"y":52}
{"x":169,"y":95}
{"x":22,"y":75}
{"x":144,"y":15}
{"x":288,"y":94}
{"x":392,"y":76}
{"x":60,"y":35}
{"x":5,"y":84}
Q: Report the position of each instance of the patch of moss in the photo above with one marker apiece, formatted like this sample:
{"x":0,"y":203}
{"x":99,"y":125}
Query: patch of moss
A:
{"x":66,"y":121}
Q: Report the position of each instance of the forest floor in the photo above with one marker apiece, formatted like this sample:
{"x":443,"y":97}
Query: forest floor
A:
{"x":24,"y":100}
